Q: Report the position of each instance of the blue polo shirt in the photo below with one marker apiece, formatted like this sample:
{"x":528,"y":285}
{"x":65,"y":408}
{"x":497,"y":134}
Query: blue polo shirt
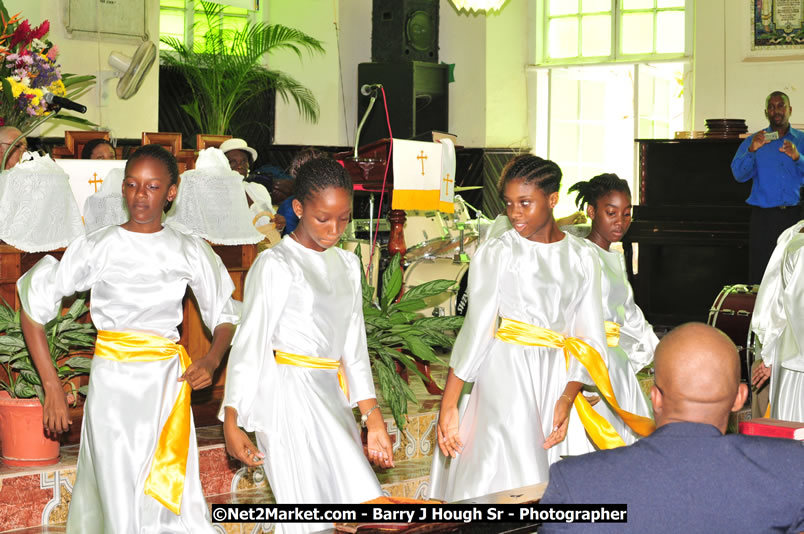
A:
{"x":777,"y":178}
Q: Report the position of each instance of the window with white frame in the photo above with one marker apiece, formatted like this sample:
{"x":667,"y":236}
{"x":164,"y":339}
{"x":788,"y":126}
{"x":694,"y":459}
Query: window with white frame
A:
{"x":607,"y":72}
{"x":185,"y":19}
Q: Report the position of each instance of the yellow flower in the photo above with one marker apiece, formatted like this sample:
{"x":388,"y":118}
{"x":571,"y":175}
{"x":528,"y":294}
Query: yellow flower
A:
{"x":57,"y":88}
{"x":37,"y":96}
{"x":16,"y":87}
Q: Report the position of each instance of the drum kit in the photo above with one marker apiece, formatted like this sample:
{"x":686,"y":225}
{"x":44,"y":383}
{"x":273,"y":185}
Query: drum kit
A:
{"x":439,"y":246}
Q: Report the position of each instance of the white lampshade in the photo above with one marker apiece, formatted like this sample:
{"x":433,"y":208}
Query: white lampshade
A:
{"x":478,"y":5}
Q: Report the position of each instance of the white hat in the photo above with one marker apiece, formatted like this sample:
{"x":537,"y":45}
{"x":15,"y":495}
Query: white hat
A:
{"x":238,"y":144}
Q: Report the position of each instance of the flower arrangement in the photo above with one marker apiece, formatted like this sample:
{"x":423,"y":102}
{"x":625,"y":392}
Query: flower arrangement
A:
{"x":28,"y":70}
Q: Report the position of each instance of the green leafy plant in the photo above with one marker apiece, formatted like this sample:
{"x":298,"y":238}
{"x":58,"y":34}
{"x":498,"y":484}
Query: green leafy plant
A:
{"x":224,"y":69}
{"x":396,"y":333}
{"x":65,"y":337}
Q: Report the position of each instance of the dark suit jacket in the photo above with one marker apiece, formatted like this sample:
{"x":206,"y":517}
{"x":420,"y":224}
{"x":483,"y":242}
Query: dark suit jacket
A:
{"x":686,"y":478}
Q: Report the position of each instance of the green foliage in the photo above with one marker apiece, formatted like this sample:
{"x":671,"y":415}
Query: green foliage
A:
{"x":394,"y":333}
{"x":65,"y":335}
{"x":224,"y":69}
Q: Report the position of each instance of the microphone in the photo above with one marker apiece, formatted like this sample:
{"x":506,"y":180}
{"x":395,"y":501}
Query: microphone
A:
{"x":65,"y":103}
{"x":367,"y":89}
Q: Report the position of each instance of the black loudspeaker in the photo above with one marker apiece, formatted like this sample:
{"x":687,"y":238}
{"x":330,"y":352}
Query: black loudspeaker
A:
{"x":404,"y":30}
{"x":418,"y":100}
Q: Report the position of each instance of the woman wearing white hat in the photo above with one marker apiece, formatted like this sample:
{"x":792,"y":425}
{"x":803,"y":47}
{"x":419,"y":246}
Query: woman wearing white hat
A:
{"x":241,"y":157}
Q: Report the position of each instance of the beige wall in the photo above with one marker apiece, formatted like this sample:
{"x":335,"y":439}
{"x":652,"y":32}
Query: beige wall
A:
{"x":127,"y":118}
{"x":730,"y":82}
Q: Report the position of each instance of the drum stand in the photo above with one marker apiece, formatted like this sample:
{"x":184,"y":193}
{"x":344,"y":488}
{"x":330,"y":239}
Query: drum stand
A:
{"x":460,"y":256}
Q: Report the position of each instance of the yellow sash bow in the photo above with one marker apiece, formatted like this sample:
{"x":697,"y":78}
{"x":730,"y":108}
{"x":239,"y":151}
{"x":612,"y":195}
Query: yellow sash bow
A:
{"x":600,"y":430}
{"x":165,"y":481}
{"x":311,"y":362}
{"x":612,"y":333}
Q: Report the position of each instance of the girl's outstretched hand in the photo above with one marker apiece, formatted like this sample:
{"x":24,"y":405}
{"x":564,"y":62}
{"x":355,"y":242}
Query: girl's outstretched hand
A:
{"x":448,"y":425}
{"x":240,"y":447}
{"x":560,"y":422}
{"x":380,"y":449}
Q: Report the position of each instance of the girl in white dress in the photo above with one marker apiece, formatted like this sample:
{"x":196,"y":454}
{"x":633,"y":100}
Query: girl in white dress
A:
{"x":631,"y":340}
{"x":778,"y":322}
{"x":138,"y":458}
{"x":535,"y":308}
{"x":302,"y":328}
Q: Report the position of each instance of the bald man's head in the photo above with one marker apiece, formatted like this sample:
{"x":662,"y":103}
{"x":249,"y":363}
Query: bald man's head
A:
{"x":697,"y":377}
{"x":7,"y":136}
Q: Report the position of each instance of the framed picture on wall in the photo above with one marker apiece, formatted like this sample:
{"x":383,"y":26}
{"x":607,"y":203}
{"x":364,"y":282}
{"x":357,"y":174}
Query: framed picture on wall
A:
{"x":777,"y":24}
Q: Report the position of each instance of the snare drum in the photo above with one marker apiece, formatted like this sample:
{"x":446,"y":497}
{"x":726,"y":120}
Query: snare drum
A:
{"x":365,"y":252}
{"x":425,"y":233}
{"x":731,"y":312}
{"x":452,"y":302}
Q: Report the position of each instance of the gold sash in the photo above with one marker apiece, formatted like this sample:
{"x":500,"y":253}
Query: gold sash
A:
{"x":311,"y":362}
{"x":600,"y":430}
{"x":165,"y":481}
{"x":612,"y":333}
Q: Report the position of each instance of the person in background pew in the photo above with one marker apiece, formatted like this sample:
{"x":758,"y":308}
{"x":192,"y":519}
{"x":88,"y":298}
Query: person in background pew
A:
{"x":241,"y":158}
{"x":7,"y":136}
{"x":533,"y":327}
{"x":631,"y":340}
{"x":138,"y":458}
{"x":688,"y":476}
{"x":778,"y":321}
{"x":299,"y":362}
{"x":98,"y":149}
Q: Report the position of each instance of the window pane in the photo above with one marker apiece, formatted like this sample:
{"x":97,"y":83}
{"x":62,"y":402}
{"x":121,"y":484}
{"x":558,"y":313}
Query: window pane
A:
{"x":595,"y":6}
{"x":670,"y":3}
{"x":593,"y":100}
{"x":564,"y":97}
{"x":171,"y":23}
{"x":637,"y":33}
{"x":669,"y":32}
{"x":563,"y":7}
{"x":638,"y":4}
{"x":234,"y":23}
{"x":564,"y":142}
{"x":172,"y":3}
{"x":563,"y":37}
{"x":596,"y":35}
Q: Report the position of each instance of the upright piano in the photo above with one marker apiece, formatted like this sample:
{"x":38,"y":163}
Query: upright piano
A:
{"x":691,"y":227}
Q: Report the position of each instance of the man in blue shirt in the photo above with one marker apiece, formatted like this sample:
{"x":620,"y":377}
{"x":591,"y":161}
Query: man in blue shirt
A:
{"x":772,"y":159}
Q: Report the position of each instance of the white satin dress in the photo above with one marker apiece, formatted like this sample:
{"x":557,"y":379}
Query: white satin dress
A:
{"x":778,"y":322}
{"x":305,"y":303}
{"x":137,"y":283}
{"x":505,"y":419}
{"x":635,"y":349}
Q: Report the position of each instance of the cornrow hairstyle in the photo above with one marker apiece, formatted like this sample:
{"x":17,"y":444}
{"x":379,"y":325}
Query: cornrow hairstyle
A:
{"x":302,"y":157}
{"x":543,"y":173}
{"x":158,"y":153}
{"x":319,"y":174}
{"x":86,"y":153}
{"x":599,"y":186}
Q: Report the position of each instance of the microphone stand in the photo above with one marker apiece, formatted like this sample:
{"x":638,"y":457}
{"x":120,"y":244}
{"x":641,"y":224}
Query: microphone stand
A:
{"x":363,"y":120}
{"x":36,"y":125}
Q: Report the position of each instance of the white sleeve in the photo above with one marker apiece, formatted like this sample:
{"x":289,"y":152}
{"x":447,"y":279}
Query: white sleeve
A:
{"x":251,"y":371}
{"x":588,"y":322}
{"x":213,"y":288}
{"x":637,"y":338}
{"x":46,"y":283}
{"x":792,"y":357}
{"x":477,"y":333}
{"x":355,"y":358}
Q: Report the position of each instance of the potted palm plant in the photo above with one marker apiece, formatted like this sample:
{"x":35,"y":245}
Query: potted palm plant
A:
{"x":21,"y":431}
{"x":225,"y":69}
{"x":398,"y":336}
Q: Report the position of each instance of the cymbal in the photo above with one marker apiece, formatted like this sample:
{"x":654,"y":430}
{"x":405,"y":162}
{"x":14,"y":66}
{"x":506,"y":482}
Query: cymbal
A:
{"x":467,"y":188}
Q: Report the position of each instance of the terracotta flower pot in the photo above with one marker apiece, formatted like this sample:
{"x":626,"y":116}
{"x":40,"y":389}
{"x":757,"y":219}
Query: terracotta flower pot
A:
{"x":22,"y":434}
